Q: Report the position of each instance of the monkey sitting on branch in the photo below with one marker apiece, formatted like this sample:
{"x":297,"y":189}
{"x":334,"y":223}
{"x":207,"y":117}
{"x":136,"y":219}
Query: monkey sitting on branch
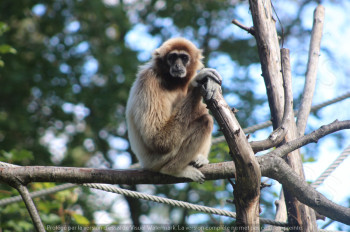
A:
{"x":169,"y":126}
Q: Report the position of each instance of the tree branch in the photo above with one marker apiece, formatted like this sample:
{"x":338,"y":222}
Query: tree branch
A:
{"x":28,"y":174}
{"x":310,"y":138}
{"x":278,"y":135}
{"x":269,"y":55}
{"x":271,"y":166}
{"x":265,"y":124}
{"x":250,"y":30}
{"x":311,"y":73}
{"x":276,"y":168}
{"x":248,"y":175}
{"x":33,"y":212}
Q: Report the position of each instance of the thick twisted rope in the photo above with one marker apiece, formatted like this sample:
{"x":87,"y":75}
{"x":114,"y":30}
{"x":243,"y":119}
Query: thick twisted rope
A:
{"x":182,"y":204}
{"x":3,"y":164}
{"x":330,"y":102}
{"x":39,"y":193}
{"x":331,"y":167}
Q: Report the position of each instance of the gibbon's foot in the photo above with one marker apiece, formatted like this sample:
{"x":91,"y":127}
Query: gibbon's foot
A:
{"x":188,"y":172}
{"x":199,"y":161}
{"x":193,"y":173}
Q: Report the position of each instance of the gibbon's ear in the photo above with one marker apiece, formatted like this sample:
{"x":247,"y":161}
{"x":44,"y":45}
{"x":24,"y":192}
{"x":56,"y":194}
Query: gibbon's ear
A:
{"x":199,"y":60}
{"x":160,"y":52}
{"x":156,"y":53}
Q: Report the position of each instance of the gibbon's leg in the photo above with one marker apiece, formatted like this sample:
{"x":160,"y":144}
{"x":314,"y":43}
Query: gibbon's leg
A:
{"x":203,"y":153}
{"x":196,"y":141}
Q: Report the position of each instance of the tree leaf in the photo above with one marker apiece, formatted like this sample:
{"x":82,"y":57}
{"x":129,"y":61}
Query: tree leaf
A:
{"x":5,"y":48}
{"x":80,"y":219}
{"x":3,"y":28}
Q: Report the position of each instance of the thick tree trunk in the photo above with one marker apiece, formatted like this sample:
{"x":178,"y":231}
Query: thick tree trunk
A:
{"x":269,"y":53}
{"x":248,"y":174}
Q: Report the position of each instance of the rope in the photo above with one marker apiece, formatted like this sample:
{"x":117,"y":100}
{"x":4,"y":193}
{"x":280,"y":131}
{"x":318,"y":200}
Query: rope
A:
{"x":330,"y":102}
{"x":182,"y":204}
{"x":331,"y":167}
{"x":3,"y":164}
{"x":39,"y":193}
{"x":269,"y":123}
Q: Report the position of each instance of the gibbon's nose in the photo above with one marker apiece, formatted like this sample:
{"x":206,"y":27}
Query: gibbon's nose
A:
{"x":177,"y":67}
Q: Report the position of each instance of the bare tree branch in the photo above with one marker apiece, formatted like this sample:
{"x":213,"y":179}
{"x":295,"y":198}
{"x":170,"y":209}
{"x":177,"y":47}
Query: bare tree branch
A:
{"x":269,"y":55}
{"x":276,"y":168}
{"x":311,"y":138}
{"x":281,"y":212}
{"x":248,"y":175}
{"x":28,"y":174}
{"x":250,"y":30}
{"x":311,"y":73}
{"x":277,"y":135}
{"x":271,"y":166}
{"x":15,"y":182}
{"x":33,"y":212}
{"x":265,"y":124}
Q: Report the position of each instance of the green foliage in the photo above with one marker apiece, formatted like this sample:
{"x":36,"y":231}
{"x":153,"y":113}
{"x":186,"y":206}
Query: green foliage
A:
{"x":5,"y":48}
{"x":309,"y":159}
{"x":15,"y":217}
{"x":3,"y":28}
{"x":54,"y":209}
{"x":15,"y":156}
{"x":80,"y":219}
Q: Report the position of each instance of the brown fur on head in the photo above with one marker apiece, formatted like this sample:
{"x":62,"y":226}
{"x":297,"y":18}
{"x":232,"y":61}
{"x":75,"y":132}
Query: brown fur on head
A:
{"x":162,"y":68}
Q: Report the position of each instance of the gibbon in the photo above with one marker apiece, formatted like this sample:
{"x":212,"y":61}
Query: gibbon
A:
{"x":169,"y":127}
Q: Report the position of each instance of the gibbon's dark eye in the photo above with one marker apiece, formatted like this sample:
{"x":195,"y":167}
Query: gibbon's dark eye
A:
{"x":184,"y":58}
{"x":172,"y":57}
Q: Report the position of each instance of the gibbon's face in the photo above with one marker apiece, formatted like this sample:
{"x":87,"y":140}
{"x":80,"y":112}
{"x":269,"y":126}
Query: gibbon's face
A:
{"x":178,"y":62}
